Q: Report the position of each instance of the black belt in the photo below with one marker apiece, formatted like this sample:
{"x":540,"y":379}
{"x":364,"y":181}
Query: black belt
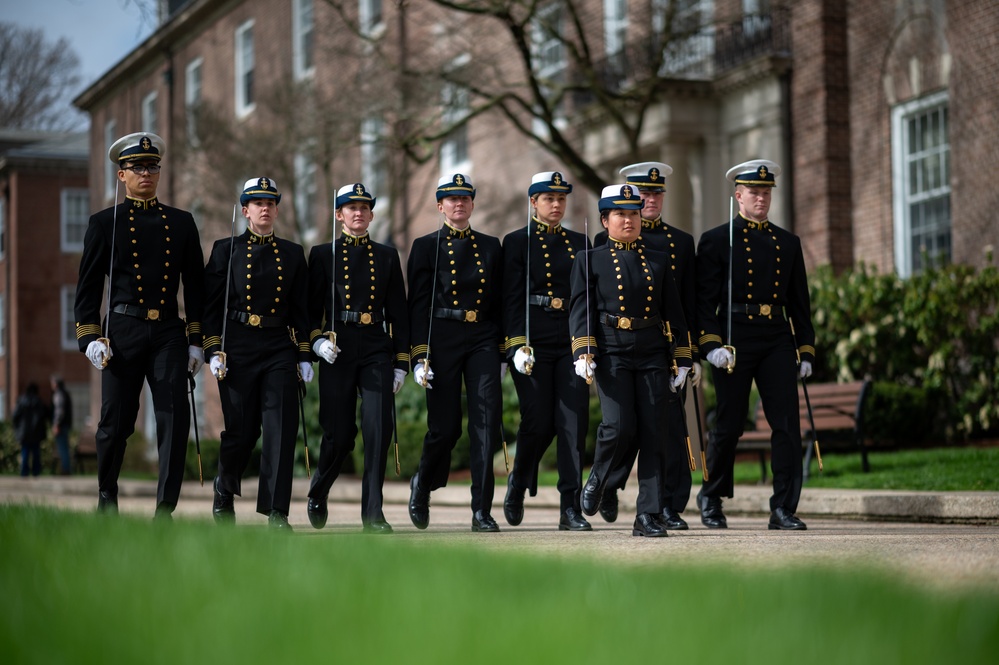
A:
{"x":360,"y":318}
{"x":466,"y":315}
{"x":757,"y":310}
{"x":549,"y":302}
{"x":629,"y":323}
{"x":257,"y":321}
{"x":143,"y":313}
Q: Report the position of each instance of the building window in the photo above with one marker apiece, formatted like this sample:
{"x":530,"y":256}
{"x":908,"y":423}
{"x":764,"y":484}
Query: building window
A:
{"x":546,"y":43}
{"x":3,"y":228}
{"x":74,"y":216}
{"x":454,"y":148}
{"x":245,"y":100}
{"x":3,"y":324}
{"x":68,"y":318}
{"x":370,"y":14}
{"x":615,"y":26}
{"x":305,"y":195}
{"x":302,"y":37}
{"x":110,"y":170}
{"x":192,"y":98}
{"x":149,"y":113}
{"x":687,"y":33}
{"x":374,"y":168}
{"x":921,"y":183}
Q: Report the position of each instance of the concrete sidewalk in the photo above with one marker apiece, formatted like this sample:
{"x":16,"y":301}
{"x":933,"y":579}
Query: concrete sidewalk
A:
{"x":749,"y":500}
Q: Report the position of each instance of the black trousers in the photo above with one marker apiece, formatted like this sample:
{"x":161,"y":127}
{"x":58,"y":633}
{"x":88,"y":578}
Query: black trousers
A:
{"x":632,"y":396}
{"x":461,"y":352}
{"x":554,"y":402}
{"x":363,"y":368}
{"x":260,"y":394}
{"x":155,"y":352}
{"x":676,"y":478}
{"x":765,"y":353}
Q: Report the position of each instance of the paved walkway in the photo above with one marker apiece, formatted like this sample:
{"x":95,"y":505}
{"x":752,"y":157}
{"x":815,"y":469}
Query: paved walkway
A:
{"x":939,"y":540}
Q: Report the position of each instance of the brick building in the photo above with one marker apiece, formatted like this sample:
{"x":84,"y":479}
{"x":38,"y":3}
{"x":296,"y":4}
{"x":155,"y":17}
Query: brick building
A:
{"x":880,"y":112}
{"x":44,"y":207}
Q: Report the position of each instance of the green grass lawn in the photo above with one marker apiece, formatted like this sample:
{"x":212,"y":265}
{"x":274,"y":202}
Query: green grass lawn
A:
{"x":77,"y":588}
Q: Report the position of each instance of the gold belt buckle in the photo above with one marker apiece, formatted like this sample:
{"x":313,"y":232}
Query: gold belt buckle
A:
{"x":153,"y":314}
{"x":365,"y":318}
{"x":254,"y":320}
{"x":556,"y":303}
{"x":764,"y":310}
{"x":470,"y":316}
{"x":624,"y":323}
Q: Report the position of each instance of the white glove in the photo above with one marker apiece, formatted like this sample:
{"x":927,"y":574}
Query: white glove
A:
{"x":584,"y":369}
{"x":326,"y":349}
{"x":97,"y":352}
{"x":676,"y":383}
{"x":521,"y":359}
{"x":305,"y":369}
{"x":720,"y":358}
{"x":398,"y":378}
{"x":806,"y":369}
{"x":195,"y":359}
{"x":502,"y":370}
{"x":422,"y":375}
{"x":217,"y":365}
{"x":695,"y":374}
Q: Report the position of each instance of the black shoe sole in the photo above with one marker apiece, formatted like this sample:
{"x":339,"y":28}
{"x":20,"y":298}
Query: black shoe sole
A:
{"x":566,"y":527}
{"x":638,"y":532}
{"x":777,"y":527}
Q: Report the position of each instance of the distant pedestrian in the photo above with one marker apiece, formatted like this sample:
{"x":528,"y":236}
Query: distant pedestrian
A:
{"x":29,"y":419}
{"x":62,"y":422}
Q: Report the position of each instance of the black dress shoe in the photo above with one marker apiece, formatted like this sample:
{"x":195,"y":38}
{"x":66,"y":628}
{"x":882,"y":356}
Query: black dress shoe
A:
{"x":513,"y":504}
{"x":711,"y":512}
{"x":571,"y":520}
{"x":419,"y":504}
{"x":278,"y":521}
{"x":592,"y":492}
{"x":784,"y":520}
{"x":379,"y":526}
{"x":672,"y":520}
{"x":318,"y":512}
{"x":223,"y":509}
{"x":647,"y":525}
{"x":107,"y":503}
{"x":484,"y":523}
{"x":608,"y":506}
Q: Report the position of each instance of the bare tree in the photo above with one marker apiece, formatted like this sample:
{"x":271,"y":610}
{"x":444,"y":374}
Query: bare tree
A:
{"x":37,"y":79}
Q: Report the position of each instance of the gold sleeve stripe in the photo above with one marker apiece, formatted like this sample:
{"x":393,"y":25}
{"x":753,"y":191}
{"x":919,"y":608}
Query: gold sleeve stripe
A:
{"x":402,"y":357}
{"x":193,"y":327}
{"x":83,"y":330}
{"x":707,"y":339}
{"x":303,"y":347}
{"x":513,"y":342}
{"x":211,"y":341}
{"x":805,"y":348}
{"x":583,"y":342}
{"x":316,"y":332}
{"x":682,"y":352}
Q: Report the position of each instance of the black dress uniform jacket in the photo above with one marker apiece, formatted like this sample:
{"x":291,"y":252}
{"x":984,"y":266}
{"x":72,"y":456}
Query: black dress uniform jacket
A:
{"x":554,"y":401}
{"x":464,"y":340}
{"x":156,"y":248}
{"x":266,"y":323}
{"x":369,"y":315}
{"x":678,"y":245}
{"x":769,"y":286}
{"x":624,"y":325}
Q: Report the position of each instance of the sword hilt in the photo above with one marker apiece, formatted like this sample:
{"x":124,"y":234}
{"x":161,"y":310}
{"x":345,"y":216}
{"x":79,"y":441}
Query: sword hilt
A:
{"x":731,"y":366}
{"x":106,"y":357}
{"x":529,"y":363}
{"x":223,"y":370}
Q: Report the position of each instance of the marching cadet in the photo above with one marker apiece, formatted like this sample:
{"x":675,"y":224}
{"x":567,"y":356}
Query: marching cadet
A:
{"x":628,"y":331}
{"x":455,"y":314}
{"x":145,"y":249}
{"x":650,"y":179}
{"x":554,"y":401}
{"x":753,"y":296}
{"x":360,"y":328}
{"x":256,"y":313}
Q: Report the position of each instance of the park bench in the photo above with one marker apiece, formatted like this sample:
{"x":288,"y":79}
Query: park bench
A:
{"x":84,"y":451}
{"x":838,"y":410}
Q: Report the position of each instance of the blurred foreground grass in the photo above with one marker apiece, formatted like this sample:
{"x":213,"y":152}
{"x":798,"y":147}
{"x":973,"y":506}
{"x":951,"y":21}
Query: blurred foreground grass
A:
{"x":82,"y":589}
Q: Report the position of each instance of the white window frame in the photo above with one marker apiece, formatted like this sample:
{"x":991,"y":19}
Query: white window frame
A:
{"x":74,"y":207}
{"x":245,"y":66}
{"x":371,"y":17}
{"x":193,"y":88}
{"x":548,"y":50}
{"x":374,"y":168}
{"x":67,"y":317}
{"x":906,"y":161}
{"x":615,"y":26}
{"x":306,"y":191}
{"x":687,"y":52}
{"x":110,"y":168}
{"x":454,"y":153}
{"x":149,"y":112}
{"x":303,"y":35}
